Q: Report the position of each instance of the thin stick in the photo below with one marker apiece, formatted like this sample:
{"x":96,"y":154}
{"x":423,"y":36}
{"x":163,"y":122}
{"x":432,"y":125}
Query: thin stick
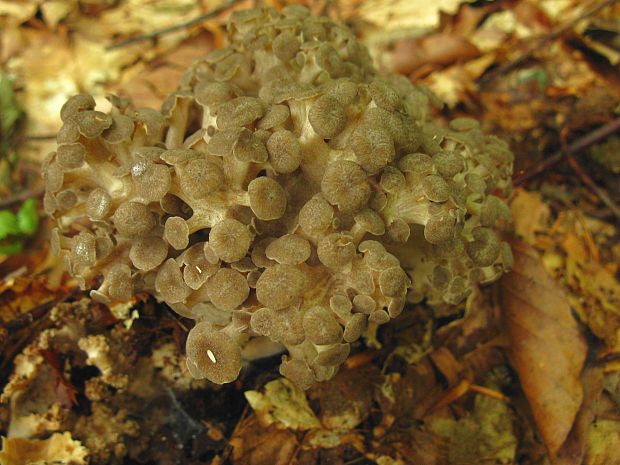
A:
{"x":587,"y":180}
{"x":297,"y":449}
{"x":584,"y":142}
{"x":485,"y":391}
{"x":41,"y":137}
{"x":20,"y":197}
{"x":506,"y":67}
{"x":37,"y":312}
{"x":177,"y":27}
{"x":228,"y":448}
{"x":356,"y":460}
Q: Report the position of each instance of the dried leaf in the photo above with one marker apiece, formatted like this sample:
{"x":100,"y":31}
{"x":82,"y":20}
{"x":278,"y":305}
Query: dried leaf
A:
{"x":416,"y":15}
{"x":67,"y":65}
{"x":58,"y":448}
{"x":590,"y":277}
{"x":530,"y":214}
{"x":603,"y":443}
{"x":405,"y":399}
{"x":574,"y":448}
{"x":430,"y":52}
{"x":283,"y":404}
{"x":22,"y":294}
{"x":608,"y":154}
{"x":255,"y":444}
{"x":54,"y":11}
{"x":343,"y":403}
{"x":454,"y":83}
{"x":411,"y":446}
{"x":595,"y":296}
{"x":147,"y":84}
{"x":346,"y":399}
{"x":18,"y":12}
{"x":487,"y":435}
{"x":66,"y":393}
{"x":413,"y":350}
{"x":463,"y":335}
{"x":387,"y":460}
{"x":547,"y":349}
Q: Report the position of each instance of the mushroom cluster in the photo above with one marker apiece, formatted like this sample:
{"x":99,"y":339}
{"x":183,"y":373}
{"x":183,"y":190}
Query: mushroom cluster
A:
{"x":285,"y":192}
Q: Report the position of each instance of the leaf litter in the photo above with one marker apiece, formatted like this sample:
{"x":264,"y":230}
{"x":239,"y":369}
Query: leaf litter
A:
{"x":504,"y":378}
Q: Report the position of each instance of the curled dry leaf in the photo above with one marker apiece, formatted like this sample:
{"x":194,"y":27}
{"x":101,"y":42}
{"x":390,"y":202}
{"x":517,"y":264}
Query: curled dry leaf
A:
{"x":547,"y":349}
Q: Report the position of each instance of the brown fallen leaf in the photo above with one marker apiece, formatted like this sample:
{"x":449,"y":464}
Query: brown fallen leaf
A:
{"x":65,"y":392}
{"x":574,"y":448}
{"x":431,"y":52}
{"x":147,"y":84}
{"x":284,"y":405}
{"x":346,"y":400}
{"x":531,"y":214}
{"x":547,"y":349}
{"x":254,"y":444}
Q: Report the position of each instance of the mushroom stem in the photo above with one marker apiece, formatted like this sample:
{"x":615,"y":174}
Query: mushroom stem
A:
{"x":178,"y":123}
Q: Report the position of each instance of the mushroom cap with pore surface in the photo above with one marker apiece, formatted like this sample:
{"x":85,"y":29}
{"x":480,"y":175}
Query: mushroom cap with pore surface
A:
{"x":212,"y":354}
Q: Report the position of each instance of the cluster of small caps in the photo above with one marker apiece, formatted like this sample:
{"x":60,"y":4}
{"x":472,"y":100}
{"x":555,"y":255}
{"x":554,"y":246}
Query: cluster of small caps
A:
{"x":284,"y":193}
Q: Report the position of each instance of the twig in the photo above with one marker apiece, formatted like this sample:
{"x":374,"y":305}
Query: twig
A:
{"x":20,"y":197}
{"x":540,"y":43}
{"x":492,"y":393}
{"x":32,"y":319}
{"x":177,"y":27}
{"x":589,"y":139}
{"x":41,"y":137}
{"x":587,"y":180}
{"x":355,"y":460}
{"x":602,"y":213}
{"x":297,"y":449}
{"x":27,"y":318}
{"x":228,"y":448}
{"x":37,"y":313}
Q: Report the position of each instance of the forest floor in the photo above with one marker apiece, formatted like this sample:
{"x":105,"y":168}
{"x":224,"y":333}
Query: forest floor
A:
{"x":526,"y":371}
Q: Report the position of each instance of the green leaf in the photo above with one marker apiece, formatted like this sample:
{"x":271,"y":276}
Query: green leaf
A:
{"x":28,"y":218}
{"x":9,"y":110}
{"x":11,"y":248}
{"x":8,"y":224}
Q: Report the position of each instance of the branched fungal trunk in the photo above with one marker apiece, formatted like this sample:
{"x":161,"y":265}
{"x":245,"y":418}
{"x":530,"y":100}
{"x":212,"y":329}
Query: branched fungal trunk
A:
{"x":284,"y":191}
